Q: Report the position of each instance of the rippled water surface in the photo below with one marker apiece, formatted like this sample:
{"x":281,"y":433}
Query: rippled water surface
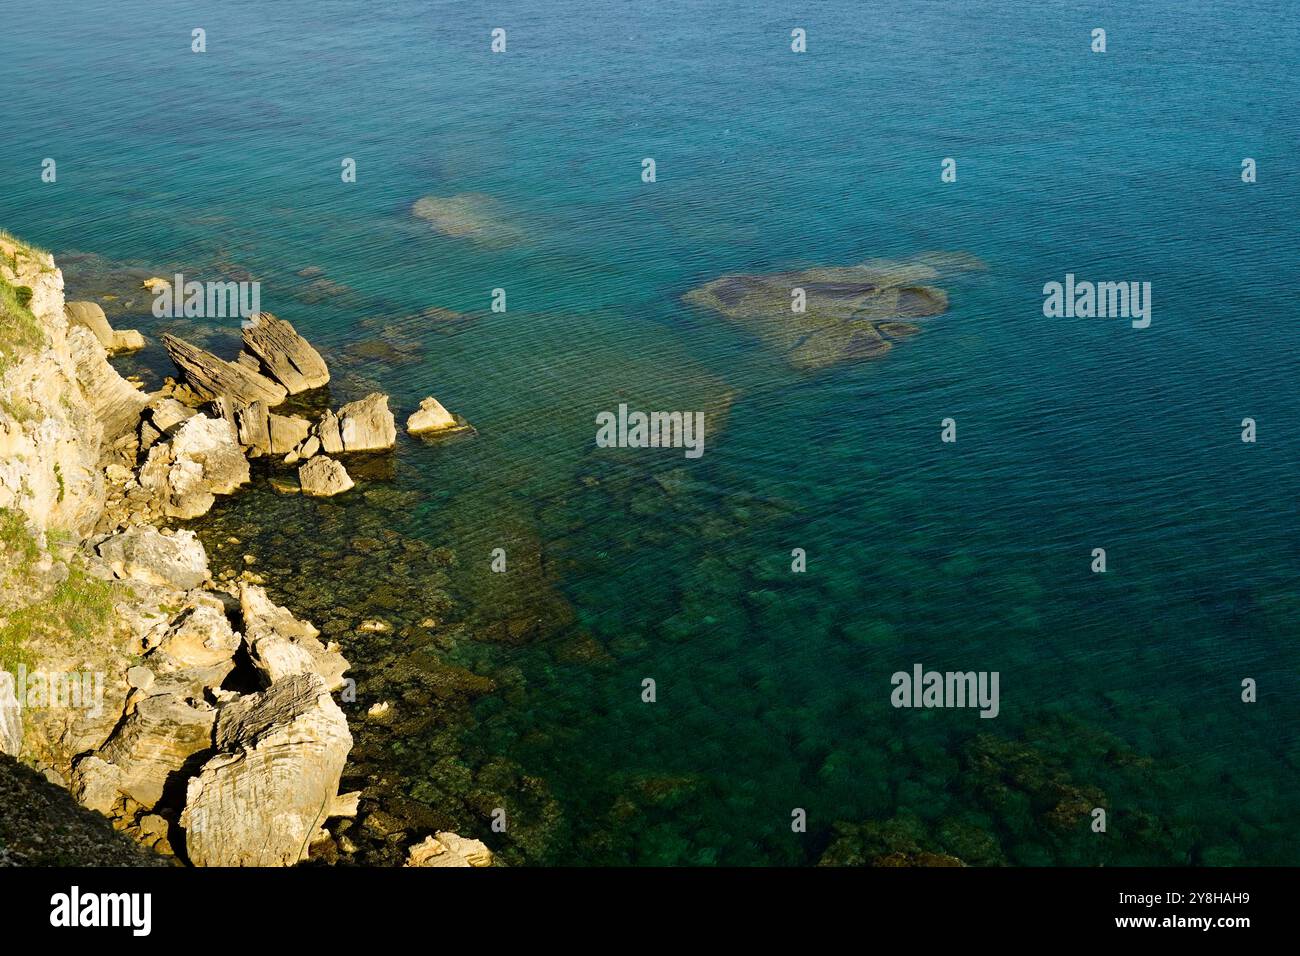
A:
{"x":522,"y":690}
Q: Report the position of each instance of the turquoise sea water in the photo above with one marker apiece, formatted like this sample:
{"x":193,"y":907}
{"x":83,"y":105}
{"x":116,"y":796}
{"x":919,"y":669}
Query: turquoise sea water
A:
{"x":1119,"y":690}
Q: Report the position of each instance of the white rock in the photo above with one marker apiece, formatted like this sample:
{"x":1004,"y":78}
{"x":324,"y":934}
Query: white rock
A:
{"x":324,"y":477}
{"x":275,"y":777}
{"x":203,"y":459}
{"x":282,"y":646}
{"x":431,"y":417}
{"x":143,"y":554}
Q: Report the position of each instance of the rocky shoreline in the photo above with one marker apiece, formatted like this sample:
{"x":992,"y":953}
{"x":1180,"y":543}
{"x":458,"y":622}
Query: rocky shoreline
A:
{"x":218,"y":738}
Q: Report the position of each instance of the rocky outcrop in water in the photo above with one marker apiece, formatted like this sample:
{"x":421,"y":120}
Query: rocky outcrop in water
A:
{"x":432,"y":419}
{"x":282,"y":646}
{"x":819,"y":317}
{"x":254,"y":774}
{"x":203,"y":459}
{"x":212,"y":378}
{"x":363,"y":425}
{"x":284,"y":354}
{"x":323,"y":477}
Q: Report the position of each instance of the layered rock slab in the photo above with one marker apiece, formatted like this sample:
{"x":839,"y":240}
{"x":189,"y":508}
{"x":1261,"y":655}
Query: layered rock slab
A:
{"x":263,"y":798}
{"x":285,"y":355}
{"x":211,"y":377}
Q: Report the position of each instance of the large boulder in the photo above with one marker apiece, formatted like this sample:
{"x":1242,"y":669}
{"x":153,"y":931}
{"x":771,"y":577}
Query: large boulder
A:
{"x":363,"y":425}
{"x":285,"y":355}
{"x":282,"y":646}
{"x":142,"y":553}
{"x":192,"y":652}
{"x":287,"y":432}
{"x":90,"y":316}
{"x":323,"y":477}
{"x":97,"y":784}
{"x":212,"y":378}
{"x":253,"y":426}
{"x":264,"y":796}
{"x":157,"y":745}
{"x":115,"y":402}
{"x":203,"y":459}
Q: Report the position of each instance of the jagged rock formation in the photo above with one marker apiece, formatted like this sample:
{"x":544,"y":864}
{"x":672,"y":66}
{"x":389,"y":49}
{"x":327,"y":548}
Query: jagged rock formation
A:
{"x":202,"y":460}
{"x":172,"y":752}
{"x":164,"y":560}
{"x":161,"y":640}
{"x":282,"y":646}
{"x":363,"y":425}
{"x":285,"y":355}
{"x":212,"y":378}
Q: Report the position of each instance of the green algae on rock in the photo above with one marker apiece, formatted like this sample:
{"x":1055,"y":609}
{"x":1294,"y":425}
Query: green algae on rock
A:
{"x":827,"y":315}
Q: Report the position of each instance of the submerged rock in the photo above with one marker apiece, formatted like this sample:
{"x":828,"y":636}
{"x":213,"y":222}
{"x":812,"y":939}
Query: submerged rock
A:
{"x":323,"y":477}
{"x":473,"y":216}
{"x":448,"y":849}
{"x":285,"y":355}
{"x":274,"y":781}
{"x":850,"y":312}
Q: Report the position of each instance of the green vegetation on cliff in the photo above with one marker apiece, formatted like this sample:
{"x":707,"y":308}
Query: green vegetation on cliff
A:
{"x":20,"y":331}
{"x":72,"y":606}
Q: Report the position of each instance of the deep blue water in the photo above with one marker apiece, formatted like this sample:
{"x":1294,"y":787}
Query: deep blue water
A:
{"x":773,"y":688}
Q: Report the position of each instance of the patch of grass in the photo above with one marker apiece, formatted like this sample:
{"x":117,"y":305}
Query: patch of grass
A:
{"x":79,"y":609}
{"x":20,"y":331}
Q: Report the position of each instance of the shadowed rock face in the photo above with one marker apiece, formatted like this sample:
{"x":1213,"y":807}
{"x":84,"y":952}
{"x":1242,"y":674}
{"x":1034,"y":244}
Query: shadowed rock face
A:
{"x":41,"y":825}
{"x":851,"y":312}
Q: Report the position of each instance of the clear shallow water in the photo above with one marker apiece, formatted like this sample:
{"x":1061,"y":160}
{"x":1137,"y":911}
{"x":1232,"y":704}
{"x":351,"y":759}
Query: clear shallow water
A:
{"x":1119,"y":690}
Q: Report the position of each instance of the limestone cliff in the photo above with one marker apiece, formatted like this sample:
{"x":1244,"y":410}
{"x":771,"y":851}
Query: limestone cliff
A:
{"x":115,"y":644}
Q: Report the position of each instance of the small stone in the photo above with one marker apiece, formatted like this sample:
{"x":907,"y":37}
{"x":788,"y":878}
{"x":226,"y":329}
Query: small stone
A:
{"x":141,"y":677}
